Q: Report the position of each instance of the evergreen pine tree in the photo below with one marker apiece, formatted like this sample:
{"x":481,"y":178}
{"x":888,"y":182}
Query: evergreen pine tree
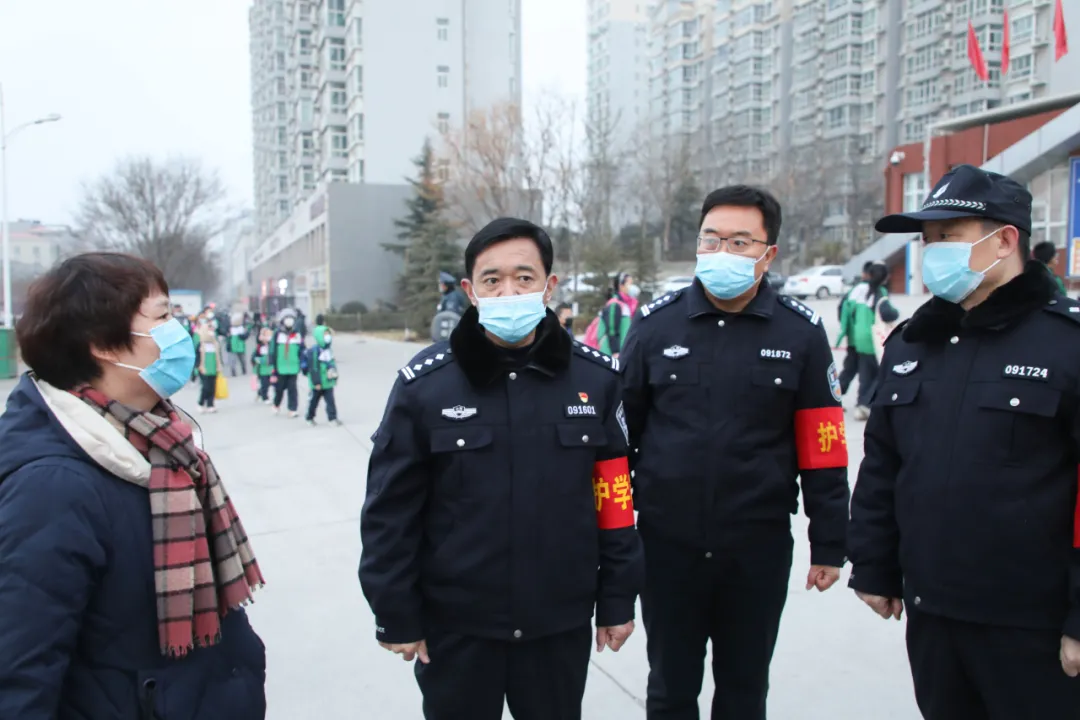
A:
{"x":427,"y":242}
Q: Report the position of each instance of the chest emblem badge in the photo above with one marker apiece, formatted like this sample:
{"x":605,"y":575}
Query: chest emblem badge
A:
{"x":906,"y":368}
{"x":458,"y":412}
{"x":584,"y":397}
{"x":675,"y":352}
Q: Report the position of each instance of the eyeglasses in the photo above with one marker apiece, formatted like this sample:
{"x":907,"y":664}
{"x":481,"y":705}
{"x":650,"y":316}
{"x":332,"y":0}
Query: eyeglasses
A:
{"x":735,"y":245}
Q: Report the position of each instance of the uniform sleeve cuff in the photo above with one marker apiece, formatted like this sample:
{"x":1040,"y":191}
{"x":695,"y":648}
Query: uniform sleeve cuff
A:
{"x":614,"y":612}
{"x":398,"y":630}
{"x":1072,"y":623}
{"x":876,"y":582}
{"x":829,"y":556}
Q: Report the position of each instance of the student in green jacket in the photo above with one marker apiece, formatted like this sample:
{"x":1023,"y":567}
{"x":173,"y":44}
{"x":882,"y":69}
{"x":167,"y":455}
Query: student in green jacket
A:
{"x":238,"y":336}
{"x":208,"y":362}
{"x":1046,"y":253}
{"x":860,"y":313}
{"x":286,"y":349}
{"x":617,"y":313}
{"x":322,"y":373}
{"x":261,"y":363}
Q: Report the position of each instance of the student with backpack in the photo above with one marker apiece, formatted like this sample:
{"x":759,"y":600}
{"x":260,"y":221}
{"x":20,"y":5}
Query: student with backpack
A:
{"x":864,"y":305}
{"x":608,"y":332}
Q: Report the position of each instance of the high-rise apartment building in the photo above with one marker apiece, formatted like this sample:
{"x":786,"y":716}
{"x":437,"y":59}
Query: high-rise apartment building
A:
{"x":347,"y":90}
{"x":617,"y":83}
{"x":769,"y":88}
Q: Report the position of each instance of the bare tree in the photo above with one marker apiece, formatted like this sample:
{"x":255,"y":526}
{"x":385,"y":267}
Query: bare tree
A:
{"x":166,"y":213}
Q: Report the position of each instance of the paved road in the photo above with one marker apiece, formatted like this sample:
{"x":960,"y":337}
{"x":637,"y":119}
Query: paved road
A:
{"x":299,"y":492}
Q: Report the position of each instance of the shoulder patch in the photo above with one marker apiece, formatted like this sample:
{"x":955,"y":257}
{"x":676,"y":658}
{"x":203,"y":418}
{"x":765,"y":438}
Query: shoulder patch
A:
{"x":421,"y":365}
{"x":596,"y":356}
{"x":660,"y":302}
{"x":797,"y":307}
{"x":1066,"y":307}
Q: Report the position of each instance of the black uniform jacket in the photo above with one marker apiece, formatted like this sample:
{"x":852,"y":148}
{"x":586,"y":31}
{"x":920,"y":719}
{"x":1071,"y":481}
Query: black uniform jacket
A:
{"x":966,"y":502}
{"x":726,"y":411}
{"x":498,"y":493}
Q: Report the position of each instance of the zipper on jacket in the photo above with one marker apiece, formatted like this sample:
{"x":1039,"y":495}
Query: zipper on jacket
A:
{"x":149,"y":694}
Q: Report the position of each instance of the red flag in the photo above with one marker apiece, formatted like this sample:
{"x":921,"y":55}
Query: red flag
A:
{"x":1061,"y":39}
{"x":975,"y":55}
{"x":1006,"y":51}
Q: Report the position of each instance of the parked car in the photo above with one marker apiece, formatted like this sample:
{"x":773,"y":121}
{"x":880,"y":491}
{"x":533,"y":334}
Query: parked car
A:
{"x":675,"y":283}
{"x":821,"y":281}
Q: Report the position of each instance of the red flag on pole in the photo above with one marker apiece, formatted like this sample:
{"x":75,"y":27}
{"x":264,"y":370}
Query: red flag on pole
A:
{"x":975,"y":55}
{"x":1006,"y":51}
{"x":1061,"y":39}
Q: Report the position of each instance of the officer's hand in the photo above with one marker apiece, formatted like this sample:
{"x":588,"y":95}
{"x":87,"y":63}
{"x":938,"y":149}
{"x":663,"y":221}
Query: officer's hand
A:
{"x":408,"y":651}
{"x":613,"y":637}
{"x":822,"y":577}
{"x":1070,"y":656}
{"x":883,"y":606}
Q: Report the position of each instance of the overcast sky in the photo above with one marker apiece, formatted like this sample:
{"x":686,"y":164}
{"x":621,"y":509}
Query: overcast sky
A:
{"x":170,"y":77}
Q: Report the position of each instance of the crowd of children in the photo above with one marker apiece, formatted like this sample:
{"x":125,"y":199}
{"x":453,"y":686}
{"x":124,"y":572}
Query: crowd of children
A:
{"x":279,"y":357}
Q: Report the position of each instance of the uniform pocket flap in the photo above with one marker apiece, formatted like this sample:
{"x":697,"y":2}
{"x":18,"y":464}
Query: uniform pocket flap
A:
{"x":891,"y":394}
{"x":673,"y":373}
{"x":776,"y":376}
{"x":581,"y":435}
{"x":460,"y":438}
{"x":1031,"y":399}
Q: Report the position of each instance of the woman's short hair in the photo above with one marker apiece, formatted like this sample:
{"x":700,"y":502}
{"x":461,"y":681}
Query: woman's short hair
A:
{"x":86,"y":301}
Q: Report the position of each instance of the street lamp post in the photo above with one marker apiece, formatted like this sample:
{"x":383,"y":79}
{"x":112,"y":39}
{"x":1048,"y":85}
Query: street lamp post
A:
{"x":5,"y":241}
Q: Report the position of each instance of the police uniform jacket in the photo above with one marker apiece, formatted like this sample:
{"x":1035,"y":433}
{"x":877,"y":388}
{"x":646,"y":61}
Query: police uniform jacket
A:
{"x":498,"y":496}
{"x":966,"y":502}
{"x":726,"y":411}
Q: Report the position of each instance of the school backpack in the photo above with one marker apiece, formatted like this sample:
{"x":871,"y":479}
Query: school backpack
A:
{"x":592,"y":338}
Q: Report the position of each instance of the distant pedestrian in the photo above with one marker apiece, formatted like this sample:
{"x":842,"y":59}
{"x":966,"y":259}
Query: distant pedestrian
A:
{"x":452,"y":297}
{"x":238,"y":336}
{"x":850,"y":369}
{"x":615,"y":318}
{"x":565,"y":312}
{"x":323,"y":375}
{"x":262,"y":364}
{"x":209,"y":365}
{"x":286,"y":348}
{"x":866,"y":303}
{"x":123,"y":566}
{"x":1046,"y":253}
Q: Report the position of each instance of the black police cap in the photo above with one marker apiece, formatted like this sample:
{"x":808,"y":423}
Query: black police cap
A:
{"x":967,"y":191}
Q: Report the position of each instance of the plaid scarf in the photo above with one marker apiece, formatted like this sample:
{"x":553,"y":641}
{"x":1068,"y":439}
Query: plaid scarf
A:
{"x":196,"y":584}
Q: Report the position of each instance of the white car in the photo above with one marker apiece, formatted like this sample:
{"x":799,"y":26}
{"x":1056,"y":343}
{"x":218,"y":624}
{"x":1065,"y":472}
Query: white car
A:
{"x":675,"y":283}
{"x":820,"y":281}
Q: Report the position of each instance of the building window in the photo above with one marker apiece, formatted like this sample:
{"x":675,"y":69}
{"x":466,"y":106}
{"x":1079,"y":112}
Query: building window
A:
{"x":914,"y":191}
{"x":1023,"y":28}
{"x":339,"y":143}
{"x":338,"y":97}
{"x":443,"y":76}
{"x":337,"y":54}
{"x":358,"y":127}
{"x":444,"y":170}
{"x":442,"y":29}
{"x":1021,"y":66}
{"x":283,"y":160}
{"x":309,"y":179}
{"x":358,"y":32}
{"x":335,"y":13}
{"x":283,"y":183}
{"x":356,"y":171}
{"x":307,"y":144}
{"x":283,"y":207}
{"x":444,"y":123}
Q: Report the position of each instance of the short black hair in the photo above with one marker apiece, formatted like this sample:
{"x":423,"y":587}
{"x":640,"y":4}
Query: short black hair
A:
{"x":563,"y":306}
{"x":867,"y":266}
{"x":503,"y":229}
{"x":1044,"y":252}
{"x":86,"y":301}
{"x":320,"y":319}
{"x":747,"y":196}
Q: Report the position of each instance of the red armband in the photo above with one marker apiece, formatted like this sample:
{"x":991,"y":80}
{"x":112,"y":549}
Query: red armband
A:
{"x":1076,"y":515}
{"x":820,"y":438}
{"x":611,"y":488}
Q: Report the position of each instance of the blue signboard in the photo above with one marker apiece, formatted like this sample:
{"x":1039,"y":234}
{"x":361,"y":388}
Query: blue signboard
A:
{"x":1074,"y":218}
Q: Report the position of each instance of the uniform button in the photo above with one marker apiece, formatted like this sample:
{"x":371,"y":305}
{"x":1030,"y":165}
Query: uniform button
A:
{"x":778,"y":381}
{"x":584,"y":438}
{"x":517,"y":633}
{"x":1014,"y":402}
{"x":954,"y":339}
{"x":721,"y":323}
{"x":461,"y":442}
{"x":918,"y":601}
{"x":674,"y":377}
{"x":894,"y":396}
{"x":513,"y":376}
{"x":708,"y":554}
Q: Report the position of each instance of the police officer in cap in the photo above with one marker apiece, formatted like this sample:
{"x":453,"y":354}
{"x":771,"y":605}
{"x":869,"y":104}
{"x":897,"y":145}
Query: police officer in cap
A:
{"x":731,"y":394}
{"x":453,"y":299}
{"x":965,"y":510}
{"x":499,"y":513}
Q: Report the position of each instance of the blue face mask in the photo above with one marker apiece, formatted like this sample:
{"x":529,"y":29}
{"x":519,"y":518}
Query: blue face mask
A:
{"x":512,"y":317}
{"x":170,"y":372}
{"x":946,"y":269}
{"x":724,"y":275}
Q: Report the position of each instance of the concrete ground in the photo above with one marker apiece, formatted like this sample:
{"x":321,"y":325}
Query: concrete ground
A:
{"x":299,"y":491}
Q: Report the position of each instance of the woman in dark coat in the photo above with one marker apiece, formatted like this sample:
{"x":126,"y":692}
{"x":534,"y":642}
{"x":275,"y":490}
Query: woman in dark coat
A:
{"x":113,"y":604}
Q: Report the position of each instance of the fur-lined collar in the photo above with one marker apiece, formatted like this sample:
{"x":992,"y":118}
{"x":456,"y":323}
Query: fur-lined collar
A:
{"x":483,"y":361}
{"x":938,"y":319}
